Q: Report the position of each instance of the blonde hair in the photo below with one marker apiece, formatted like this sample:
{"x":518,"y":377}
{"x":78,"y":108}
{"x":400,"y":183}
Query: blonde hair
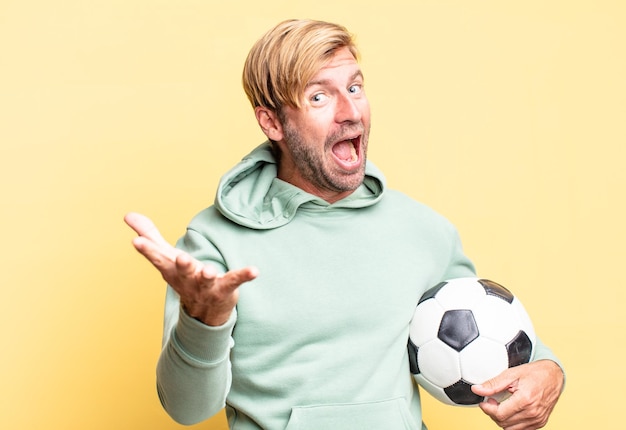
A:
{"x":284,"y":60}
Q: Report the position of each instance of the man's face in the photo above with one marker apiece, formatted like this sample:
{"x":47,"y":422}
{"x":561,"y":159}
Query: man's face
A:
{"x":324,"y":143}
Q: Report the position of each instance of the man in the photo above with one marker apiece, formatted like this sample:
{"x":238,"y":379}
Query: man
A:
{"x":333,"y":265}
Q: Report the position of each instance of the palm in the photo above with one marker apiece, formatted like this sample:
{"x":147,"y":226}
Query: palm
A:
{"x":204,"y":294}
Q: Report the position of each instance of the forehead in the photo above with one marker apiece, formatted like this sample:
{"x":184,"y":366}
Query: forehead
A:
{"x":341,"y":63}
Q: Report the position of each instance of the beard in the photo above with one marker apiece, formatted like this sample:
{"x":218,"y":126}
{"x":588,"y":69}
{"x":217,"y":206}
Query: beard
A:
{"x":317,"y":168}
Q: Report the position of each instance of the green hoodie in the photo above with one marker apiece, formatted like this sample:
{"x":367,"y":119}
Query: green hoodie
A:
{"x":319,"y":340}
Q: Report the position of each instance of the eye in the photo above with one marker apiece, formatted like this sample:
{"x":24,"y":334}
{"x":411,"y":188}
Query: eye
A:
{"x":355,"y":89}
{"x":318,"y":98}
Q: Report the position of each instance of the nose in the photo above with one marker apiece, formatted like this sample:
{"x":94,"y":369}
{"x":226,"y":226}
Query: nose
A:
{"x":348,"y":109}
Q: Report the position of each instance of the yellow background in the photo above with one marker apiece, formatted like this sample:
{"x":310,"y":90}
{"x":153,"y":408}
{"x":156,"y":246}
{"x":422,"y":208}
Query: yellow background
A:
{"x":506,"y":116}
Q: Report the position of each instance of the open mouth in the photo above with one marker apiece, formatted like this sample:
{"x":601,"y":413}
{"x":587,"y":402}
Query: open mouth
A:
{"x":347,"y":151}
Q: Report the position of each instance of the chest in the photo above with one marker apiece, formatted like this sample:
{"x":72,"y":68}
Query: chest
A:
{"x":339,"y":277}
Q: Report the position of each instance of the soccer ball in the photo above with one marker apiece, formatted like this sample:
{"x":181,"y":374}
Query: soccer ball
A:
{"x":466,"y":331}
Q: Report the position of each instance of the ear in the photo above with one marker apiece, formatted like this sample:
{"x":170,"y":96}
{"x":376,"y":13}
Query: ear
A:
{"x":269,"y":123}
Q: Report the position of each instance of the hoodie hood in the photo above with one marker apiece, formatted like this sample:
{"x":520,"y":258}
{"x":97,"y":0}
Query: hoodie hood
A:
{"x":251,"y":195}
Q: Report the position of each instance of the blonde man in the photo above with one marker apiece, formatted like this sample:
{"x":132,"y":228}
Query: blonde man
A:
{"x":289,"y":299}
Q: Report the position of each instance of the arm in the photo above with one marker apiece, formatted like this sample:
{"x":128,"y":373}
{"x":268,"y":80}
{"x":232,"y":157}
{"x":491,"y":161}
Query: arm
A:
{"x":193,"y":373}
{"x":534,"y":388}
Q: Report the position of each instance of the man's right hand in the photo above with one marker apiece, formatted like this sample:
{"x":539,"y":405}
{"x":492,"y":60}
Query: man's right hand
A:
{"x":204,"y":294}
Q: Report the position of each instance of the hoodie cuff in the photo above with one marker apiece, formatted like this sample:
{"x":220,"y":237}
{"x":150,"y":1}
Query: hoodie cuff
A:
{"x":201,"y":342}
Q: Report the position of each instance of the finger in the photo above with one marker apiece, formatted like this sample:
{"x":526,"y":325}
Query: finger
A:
{"x":497,"y":412}
{"x":162,"y":257}
{"x":144,"y":227}
{"x":516,"y":412}
{"x":233,"y":279}
{"x":209,"y":272}
{"x":206,"y":274}
{"x":187,"y":266}
{"x":489,"y":406}
{"x":504,"y":381}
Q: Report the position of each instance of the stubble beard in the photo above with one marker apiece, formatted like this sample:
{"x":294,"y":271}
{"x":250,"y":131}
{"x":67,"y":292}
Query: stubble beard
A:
{"x":310,"y":162}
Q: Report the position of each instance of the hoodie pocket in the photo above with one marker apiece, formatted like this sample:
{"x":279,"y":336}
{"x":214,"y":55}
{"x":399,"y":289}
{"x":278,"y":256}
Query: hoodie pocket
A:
{"x":390,"y":414}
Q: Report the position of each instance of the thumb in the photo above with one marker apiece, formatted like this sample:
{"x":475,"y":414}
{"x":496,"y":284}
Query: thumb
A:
{"x":234,"y":278}
{"x":505,"y":381}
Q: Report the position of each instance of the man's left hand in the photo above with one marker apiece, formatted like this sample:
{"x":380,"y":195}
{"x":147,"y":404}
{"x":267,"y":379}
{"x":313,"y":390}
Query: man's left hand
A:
{"x":533,"y":390}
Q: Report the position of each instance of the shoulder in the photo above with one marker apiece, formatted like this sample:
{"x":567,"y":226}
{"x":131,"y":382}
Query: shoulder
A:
{"x":415,"y":216}
{"x":202,"y":229}
{"x":403,"y":203}
{"x":205,"y":219}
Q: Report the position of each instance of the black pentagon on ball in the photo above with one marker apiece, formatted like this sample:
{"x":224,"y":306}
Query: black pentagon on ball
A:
{"x":430,"y":293}
{"x":458,"y":328}
{"x":496,"y":290}
{"x":519,"y":349}
{"x":461,"y":393}
{"x":413,"y":364}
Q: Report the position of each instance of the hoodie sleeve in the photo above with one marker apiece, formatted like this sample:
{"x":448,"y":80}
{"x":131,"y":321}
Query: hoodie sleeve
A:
{"x":193,"y":371}
{"x":459,"y":265}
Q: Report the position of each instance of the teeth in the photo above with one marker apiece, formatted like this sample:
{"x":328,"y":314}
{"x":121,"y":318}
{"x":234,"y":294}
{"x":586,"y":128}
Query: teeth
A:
{"x":354,"y":156}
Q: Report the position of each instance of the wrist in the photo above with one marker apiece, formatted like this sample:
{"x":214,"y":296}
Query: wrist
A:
{"x":201,"y":342}
{"x":205,"y":317}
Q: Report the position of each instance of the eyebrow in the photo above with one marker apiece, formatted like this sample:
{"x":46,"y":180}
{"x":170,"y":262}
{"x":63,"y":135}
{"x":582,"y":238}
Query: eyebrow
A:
{"x":358,"y":73}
